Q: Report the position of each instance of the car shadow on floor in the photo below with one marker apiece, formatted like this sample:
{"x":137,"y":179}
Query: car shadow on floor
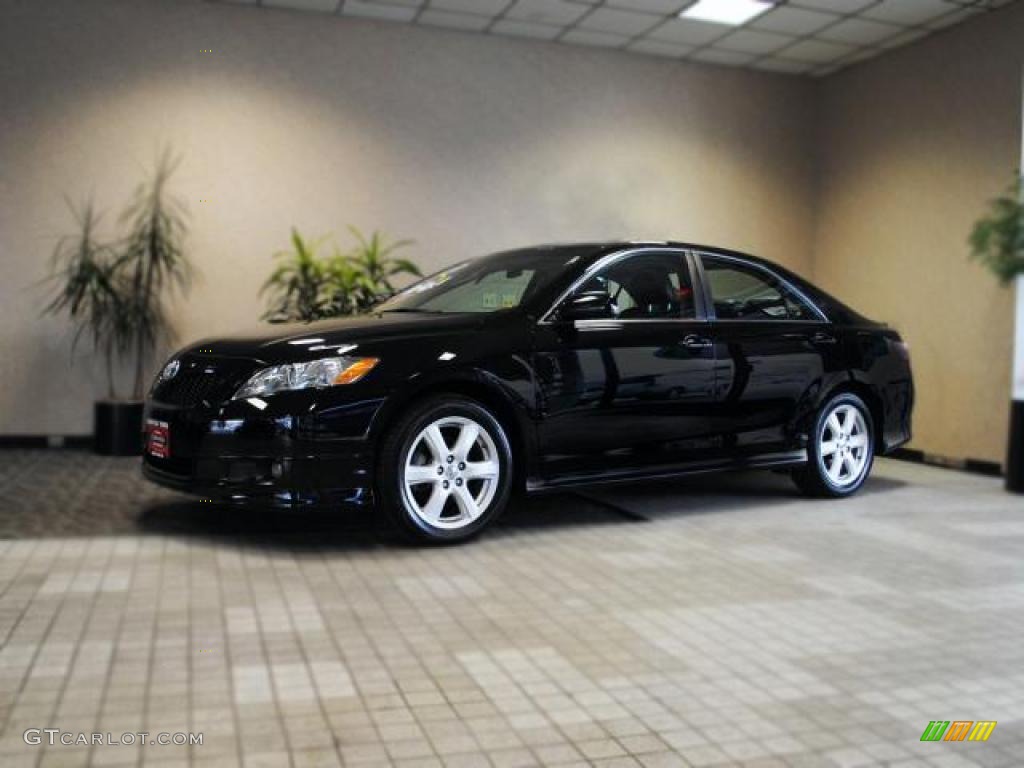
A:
{"x":619,"y":505}
{"x":340,"y":531}
{"x":722,"y":492}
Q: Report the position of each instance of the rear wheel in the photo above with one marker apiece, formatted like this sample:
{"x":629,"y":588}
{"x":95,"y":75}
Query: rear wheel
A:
{"x":841,"y":449}
{"x":445,"y":471}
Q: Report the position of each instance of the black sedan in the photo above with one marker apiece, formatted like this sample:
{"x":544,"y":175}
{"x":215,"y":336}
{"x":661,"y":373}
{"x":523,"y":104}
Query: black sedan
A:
{"x":536,"y":369}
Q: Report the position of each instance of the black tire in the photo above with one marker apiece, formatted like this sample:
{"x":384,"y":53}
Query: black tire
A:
{"x":813,"y":479}
{"x":399,"y":511}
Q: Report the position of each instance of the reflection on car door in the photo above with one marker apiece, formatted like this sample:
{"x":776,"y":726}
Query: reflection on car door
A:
{"x":632,"y":389}
{"x":772,"y":349}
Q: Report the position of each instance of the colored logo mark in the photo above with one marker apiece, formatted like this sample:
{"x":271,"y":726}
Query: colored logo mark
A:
{"x":958,"y":730}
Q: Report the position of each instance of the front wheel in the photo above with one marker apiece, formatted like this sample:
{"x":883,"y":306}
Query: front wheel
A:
{"x":445,"y":471}
{"x":840,"y":451}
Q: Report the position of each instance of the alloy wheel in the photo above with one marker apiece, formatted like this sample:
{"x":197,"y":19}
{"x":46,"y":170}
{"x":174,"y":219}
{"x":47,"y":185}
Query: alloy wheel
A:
{"x":451,"y":472}
{"x":843,"y":448}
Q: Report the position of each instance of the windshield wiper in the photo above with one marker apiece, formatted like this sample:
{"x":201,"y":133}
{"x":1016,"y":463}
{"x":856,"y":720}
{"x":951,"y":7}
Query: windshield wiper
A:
{"x":413,"y":309}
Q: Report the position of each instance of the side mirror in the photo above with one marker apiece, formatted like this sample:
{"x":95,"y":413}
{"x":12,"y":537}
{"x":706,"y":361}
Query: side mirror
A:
{"x":587,"y":305}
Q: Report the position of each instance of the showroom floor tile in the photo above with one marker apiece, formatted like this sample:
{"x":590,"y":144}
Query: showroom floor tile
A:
{"x":716,"y":621}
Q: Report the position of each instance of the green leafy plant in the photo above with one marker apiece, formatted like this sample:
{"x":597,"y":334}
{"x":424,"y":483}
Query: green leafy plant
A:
{"x":309,"y":284}
{"x":372,"y":257}
{"x":299,"y":285}
{"x":84,"y":271}
{"x":997,"y":240}
{"x":153,"y":258}
{"x":114,"y":290}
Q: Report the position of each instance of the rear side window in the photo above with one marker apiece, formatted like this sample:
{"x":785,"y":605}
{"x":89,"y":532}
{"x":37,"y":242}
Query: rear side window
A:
{"x":739,"y":292}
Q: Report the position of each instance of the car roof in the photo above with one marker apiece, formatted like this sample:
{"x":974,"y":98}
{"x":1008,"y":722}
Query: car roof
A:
{"x":596,"y":249}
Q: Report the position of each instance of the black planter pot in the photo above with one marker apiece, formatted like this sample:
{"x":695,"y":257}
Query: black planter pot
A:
{"x":117,"y":426}
{"x":1015,"y":454}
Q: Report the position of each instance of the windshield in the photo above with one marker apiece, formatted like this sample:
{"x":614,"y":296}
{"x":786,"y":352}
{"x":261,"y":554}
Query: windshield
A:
{"x":488,"y":284}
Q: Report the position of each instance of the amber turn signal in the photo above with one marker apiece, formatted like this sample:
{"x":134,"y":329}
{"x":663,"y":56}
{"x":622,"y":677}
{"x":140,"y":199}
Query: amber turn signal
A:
{"x":357,"y":370}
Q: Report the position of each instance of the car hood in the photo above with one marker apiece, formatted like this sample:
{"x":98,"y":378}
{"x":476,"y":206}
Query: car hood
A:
{"x":295,"y":341}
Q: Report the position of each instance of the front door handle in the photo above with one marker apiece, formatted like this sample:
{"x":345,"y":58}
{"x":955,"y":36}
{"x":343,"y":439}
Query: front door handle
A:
{"x":693,"y":341}
{"x":823,"y":338}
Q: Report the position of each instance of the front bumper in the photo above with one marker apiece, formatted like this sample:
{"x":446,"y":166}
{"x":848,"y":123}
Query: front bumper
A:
{"x":291,"y":450}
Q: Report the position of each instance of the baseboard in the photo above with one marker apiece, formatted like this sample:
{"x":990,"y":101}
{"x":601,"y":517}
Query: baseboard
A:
{"x":74,"y":442}
{"x":974,"y":466}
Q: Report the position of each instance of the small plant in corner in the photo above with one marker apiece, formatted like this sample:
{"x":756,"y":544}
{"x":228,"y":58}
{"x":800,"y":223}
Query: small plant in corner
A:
{"x":310,"y":285}
{"x":114,"y":292}
{"x":997,"y":241}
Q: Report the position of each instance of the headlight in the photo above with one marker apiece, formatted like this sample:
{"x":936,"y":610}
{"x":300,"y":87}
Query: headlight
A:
{"x":326,"y":372}
{"x":167,"y":373}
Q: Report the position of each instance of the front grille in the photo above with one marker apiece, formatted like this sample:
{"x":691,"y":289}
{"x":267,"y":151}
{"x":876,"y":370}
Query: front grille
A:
{"x":204,"y":380}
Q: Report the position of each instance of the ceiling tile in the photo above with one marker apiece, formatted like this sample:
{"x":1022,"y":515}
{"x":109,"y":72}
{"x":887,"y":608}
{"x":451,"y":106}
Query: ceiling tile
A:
{"x":588,"y":37}
{"x":915,"y":12}
{"x":328,"y":6}
{"x":557,"y":12}
{"x":718,"y":56}
{"x":858,"y":31}
{"x":366,"y":10}
{"x":754,"y":41}
{"x":479,"y":7}
{"x":688,"y":31}
{"x":816,"y":51}
{"x":618,"y":22}
{"x":406,"y":3}
{"x":833,"y":6}
{"x":650,"y":6}
{"x":953,"y":18}
{"x":658,"y":48}
{"x":793,"y":21}
{"x":782,"y":65}
{"x":903,"y":39}
{"x":453,"y":20}
{"x":526,"y":29}
{"x":861,"y":55}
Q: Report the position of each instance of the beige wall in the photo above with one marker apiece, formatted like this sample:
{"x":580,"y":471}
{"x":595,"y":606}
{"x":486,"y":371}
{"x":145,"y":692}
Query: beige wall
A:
{"x":913,"y":146}
{"x":867,"y":181}
{"x":465,"y":143}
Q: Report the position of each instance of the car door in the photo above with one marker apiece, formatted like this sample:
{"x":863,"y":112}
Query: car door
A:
{"x":629,"y":388}
{"x":772,"y":347}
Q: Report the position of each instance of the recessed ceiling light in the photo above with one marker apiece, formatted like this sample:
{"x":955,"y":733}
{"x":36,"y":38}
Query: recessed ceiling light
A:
{"x":733,"y":12}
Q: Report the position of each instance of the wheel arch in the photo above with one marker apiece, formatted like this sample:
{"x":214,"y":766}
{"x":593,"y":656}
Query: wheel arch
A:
{"x":871,"y":399}
{"x":477,"y":387}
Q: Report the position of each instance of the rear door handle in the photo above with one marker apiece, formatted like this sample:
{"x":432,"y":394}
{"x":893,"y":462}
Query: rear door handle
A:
{"x":823,"y":338}
{"x":693,"y":341}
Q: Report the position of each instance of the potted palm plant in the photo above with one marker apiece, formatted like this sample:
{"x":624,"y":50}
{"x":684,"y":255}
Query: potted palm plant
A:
{"x":114,"y":292}
{"x":372,"y":258}
{"x":309,"y":284}
{"x":997,"y":241}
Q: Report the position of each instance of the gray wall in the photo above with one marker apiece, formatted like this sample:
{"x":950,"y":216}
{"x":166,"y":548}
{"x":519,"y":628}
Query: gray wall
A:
{"x":467,"y":144}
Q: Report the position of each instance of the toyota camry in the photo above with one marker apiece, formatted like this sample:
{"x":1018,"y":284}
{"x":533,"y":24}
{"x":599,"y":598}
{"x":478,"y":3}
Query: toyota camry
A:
{"x":531,"y":370}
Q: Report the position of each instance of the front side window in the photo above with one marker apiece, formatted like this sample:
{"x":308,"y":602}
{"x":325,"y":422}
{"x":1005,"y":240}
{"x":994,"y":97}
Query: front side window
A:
{"x":739,"y":292}
{"x":645,"y":286}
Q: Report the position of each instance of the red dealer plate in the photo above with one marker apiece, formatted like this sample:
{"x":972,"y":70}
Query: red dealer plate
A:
{"x":158,"y":439}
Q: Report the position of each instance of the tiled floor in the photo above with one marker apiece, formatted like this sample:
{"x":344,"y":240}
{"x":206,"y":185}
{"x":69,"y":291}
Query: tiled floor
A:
{"x":738,"y":625}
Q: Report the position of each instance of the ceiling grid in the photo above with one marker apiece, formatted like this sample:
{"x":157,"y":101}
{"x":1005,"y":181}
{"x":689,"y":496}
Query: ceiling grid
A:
{"x":799,"y":37}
